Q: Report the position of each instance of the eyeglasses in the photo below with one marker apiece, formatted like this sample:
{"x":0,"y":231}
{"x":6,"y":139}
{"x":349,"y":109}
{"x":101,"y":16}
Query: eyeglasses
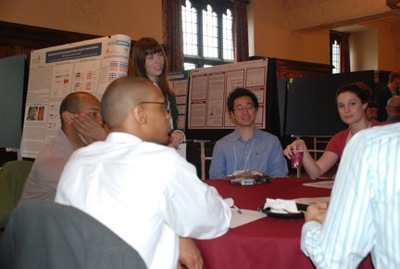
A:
{"x":241,"y":108}
{"x":165,"y":104}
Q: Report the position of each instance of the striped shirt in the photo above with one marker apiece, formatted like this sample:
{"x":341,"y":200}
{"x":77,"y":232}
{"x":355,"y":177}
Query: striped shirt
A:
{"x":364,"y":211}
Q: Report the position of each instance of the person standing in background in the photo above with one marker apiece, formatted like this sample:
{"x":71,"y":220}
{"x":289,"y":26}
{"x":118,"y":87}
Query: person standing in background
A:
{"x":149,"y":61}
{"x":393,"y":109}
{"x":371,"y":113}
{"x":384,"y":94}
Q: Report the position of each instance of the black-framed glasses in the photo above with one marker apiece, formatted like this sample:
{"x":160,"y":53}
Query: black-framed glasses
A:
{"x":165,"y":104}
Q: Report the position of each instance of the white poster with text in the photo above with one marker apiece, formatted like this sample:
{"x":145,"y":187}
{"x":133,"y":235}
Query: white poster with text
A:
{"x":87,"y":66}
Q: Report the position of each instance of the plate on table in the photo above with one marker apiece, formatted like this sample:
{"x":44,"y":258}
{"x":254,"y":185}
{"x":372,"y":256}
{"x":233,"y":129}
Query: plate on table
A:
{"x":300,"y":207}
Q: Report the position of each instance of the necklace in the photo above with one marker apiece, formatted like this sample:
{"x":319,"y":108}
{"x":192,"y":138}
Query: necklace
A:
{"x":247,"y":157}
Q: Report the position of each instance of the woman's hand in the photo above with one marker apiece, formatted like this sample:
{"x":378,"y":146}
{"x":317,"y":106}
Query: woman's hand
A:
{"x":298,"y":144}
{"x":176,"y":138}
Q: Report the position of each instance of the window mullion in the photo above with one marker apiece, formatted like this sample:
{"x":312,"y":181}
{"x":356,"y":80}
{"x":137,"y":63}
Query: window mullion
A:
{"x":200,"y":31}
{"x":220,"y":37}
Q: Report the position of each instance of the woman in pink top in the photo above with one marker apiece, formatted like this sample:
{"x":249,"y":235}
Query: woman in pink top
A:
{"x":352,"y":100}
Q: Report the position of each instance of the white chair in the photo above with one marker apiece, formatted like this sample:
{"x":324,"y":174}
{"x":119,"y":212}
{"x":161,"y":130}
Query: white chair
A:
{"x":203,"y":157}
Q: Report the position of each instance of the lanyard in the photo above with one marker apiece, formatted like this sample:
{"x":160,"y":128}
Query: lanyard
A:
{"x":247,"y":157}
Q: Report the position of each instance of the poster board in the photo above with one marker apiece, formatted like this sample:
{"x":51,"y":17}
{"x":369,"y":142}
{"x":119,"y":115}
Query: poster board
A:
{"x":311,"y":103}
{"x":88,"y":66}
{"x":12,"y":92}
{"x":209,"y":88}
{"x":179,"y":83}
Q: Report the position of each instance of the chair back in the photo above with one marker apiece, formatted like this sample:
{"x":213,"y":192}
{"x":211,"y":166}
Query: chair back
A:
{"x":44,"y":235}
{"x":13,"y":175}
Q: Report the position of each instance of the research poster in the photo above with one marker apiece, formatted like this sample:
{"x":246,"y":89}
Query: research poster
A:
{"x":88,"y":66}
{"x":179,"y":83}
{"x":209,"y":88}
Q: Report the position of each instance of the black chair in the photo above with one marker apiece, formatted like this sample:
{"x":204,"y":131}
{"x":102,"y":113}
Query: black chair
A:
{"x":46,"y":235}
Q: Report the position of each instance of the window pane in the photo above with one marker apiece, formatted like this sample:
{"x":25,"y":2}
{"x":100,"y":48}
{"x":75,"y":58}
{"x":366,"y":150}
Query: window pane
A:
{"x":336,"y":57}
{"x":210,"y":33}
{"x":189,"y":66}
{"x":227,"y":39}
{"x":212,"y":44}
{"x":189,"y":28}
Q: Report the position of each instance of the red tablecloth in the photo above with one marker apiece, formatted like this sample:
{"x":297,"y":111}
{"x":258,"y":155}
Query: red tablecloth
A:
{"x":265,"y":243}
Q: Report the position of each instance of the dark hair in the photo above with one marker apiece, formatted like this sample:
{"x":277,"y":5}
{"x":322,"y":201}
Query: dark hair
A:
{"x":393,"y":75}
{"x":360,"y":89}
{"x":71,"y":103}
{"x":121,"y":96}
{"x":373,"y":104}
{"x":147,"y":46}
{"x":239,"y":92}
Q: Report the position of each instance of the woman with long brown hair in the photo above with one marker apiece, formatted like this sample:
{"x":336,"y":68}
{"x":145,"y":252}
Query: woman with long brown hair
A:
{"x":149,"y":61}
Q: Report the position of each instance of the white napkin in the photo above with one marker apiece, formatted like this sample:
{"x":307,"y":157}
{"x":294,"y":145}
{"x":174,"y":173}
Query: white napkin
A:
{"x":281,"y":206}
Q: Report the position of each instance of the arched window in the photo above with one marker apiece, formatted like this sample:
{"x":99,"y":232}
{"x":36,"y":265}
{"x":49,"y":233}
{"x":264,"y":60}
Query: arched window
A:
{"x":207,"y":33}
{"x":340,"y":53}
{"x":230,"y":31}
{"x":335,"y":48}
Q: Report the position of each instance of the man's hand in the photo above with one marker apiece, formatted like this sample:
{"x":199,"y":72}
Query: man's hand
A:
{"x":316,"y":212}
{"x":189,"y":254}
{"x":88,"y":129}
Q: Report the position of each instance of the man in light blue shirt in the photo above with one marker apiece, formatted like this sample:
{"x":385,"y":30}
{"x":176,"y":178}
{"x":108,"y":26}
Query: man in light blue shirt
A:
{"x":247,"y":148}
{"x":364,"y":210}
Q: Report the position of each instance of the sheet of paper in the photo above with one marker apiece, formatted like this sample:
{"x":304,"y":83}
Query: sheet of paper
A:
{"x":312,"y":200}
{"x":320,"y":184}
{"x":247,"y":216}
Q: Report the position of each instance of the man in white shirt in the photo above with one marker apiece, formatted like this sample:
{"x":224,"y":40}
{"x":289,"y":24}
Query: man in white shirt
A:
{"x":143,"y":191}
{"x":364,"y":211}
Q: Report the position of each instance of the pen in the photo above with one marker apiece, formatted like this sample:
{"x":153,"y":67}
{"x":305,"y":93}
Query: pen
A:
{"x":238,"y":210}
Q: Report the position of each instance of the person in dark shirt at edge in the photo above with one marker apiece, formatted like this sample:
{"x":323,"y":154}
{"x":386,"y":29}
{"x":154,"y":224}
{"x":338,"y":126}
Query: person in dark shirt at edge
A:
{"x":393,"y":109}
{"x":384,"y":94}
{"x":371,"y":113}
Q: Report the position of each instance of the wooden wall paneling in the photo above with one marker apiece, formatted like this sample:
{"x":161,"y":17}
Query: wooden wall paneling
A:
{"x":289,"y":68}
{"x":22,"y":39}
